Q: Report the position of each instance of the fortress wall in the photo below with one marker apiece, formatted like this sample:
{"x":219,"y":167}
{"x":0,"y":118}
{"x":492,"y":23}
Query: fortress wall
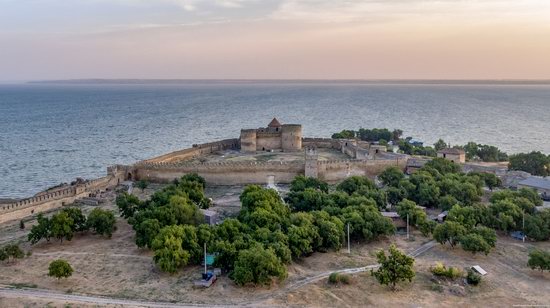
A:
{"x":52,"y":199}
{"x":197,"y":150}
{"x":225,"y":173}
{"x":328,"y":143}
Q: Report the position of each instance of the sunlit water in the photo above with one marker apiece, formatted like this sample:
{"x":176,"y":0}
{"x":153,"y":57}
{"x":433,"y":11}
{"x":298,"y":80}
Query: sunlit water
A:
{"x":55,"y":133}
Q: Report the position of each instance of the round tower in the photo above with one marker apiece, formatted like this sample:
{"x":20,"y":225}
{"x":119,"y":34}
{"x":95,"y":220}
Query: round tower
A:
{"x":248,"y":140}
{"x":291,"y":137}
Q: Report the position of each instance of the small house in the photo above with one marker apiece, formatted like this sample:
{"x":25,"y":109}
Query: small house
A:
{"x":541,"y":185}
{"x":398,"y":222}
{"x":453,"y":154}
{"x":210,"y":217}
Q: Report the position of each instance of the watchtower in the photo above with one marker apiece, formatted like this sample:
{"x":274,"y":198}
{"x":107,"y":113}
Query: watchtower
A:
{"x":311,"y":159}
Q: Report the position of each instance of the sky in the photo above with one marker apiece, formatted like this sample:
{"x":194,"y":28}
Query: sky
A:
{"x":274,"y":39}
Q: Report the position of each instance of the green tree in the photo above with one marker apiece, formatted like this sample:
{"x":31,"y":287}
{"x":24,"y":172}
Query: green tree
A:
{"x":535,"y":163}
{"x":303,"y":236}
{"x":539,"y":259}
{"x":440,"y":145}
{"x":78,"y":218}
{"x":537,"y":228}
{"x":41,"y":230}
{"x":142,"y":184}
{"x":62,"y":226}
{"x":60,"y":269}
{"x":354,"y":183}
{"x":391,"y":176}
{"x":449,"y":232}
{"x":300,"y":183}
{"x":103,"y":222}
{"x":475,"y":243}
{"x":13,"y":252}
{"x":3,"y":254}
{"x":146,"y":232}
{"x":128,"y":204}
{"x":331,"y":230}
{"x":443,"y":165}
{"x":394,"y":268}
{"x":167,"y":246}
{"x":257,"y":265}
{"x":488,"y":234}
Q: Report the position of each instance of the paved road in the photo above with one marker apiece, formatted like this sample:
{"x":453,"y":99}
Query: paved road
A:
{"x":52,"y":295}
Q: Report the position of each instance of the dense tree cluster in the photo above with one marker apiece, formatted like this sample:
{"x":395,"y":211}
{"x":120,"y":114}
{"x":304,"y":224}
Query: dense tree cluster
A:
{"x":539,"y":259}
{"x":68,"y":221}
{"x":483,"y":152}
{"x":373,"y":135}
{"x":535,"y":163}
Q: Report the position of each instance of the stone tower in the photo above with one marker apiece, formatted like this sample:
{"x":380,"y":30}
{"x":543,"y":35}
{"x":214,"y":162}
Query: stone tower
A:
{"x":248,"y":140}
{"x":291,"y":137}
{"x":311,"y":157}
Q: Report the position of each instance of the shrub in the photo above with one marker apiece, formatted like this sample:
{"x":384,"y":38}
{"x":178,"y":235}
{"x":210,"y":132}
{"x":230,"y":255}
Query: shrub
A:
{"x":441,"y":270}
{"x":437,"y":287}
{"x":473,"y":278}
{"x":60,"y":269}
{"x":335,"y":278}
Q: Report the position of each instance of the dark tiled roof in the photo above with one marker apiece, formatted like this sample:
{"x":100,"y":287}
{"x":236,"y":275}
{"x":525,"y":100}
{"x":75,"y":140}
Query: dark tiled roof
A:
{"x":451,"y":151}
{"x":536,"y":182}
{"x":274,"y":123}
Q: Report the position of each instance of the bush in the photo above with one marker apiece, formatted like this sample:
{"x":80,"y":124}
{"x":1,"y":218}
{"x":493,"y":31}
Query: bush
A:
{"x":60,"y":269}
{"x":437,"y":287}
{"x":473,"y":278}
{"x":440,"y":270}
{"x":335,"y":278}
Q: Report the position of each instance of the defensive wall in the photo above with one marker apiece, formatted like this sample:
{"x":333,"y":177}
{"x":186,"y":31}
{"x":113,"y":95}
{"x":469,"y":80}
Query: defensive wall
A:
{"x":198,"y":150}
{"x":57,"y":197}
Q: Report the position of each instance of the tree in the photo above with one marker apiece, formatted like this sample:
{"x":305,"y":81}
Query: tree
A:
{"x":60,"y":269}
{"x":103,"y":222}
{"x":13,"y":252}
{"x":488,"y":234}
{"x":167,"y":246}
{"x":354,"y":183}
{"x":41,"y":230}
{"x":79,"y":220}
{"x":391,"y":176}
{"x":3,"y":254}
{"x":539,"y":259}
{"x":21,"y":225}
{"x":300,"y":183}
{"x":62,"y":226}
{"x":393,"y":268}
{"x":146,"y":232}
{"x":535,"y":163}
{"x":257,"y":265}
{"x":537,"y":228}
{"x":127,"y":204}
{"x":440,"y":145}
{"x":142,"y":184}
{"x":443,"y":165}
{"x":450,"y":232}
{"x":303,"y":236}
{"x":475,"y":243}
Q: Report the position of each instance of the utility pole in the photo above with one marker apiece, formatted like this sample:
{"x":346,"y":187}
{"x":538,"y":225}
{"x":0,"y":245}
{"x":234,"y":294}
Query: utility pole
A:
{"x":349,"y":248}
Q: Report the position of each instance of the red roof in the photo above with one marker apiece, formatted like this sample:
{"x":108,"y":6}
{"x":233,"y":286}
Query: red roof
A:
{"x":274,"y":123}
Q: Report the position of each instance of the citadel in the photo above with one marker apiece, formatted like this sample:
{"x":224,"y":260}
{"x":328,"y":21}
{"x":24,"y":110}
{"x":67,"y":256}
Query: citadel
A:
{"x":274,"y":154}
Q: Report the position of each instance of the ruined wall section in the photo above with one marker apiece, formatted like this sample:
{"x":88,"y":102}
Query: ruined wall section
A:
{"x":266,"y":141}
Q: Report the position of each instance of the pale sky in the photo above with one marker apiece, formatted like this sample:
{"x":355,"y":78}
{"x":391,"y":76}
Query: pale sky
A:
{"x":281,"y":39}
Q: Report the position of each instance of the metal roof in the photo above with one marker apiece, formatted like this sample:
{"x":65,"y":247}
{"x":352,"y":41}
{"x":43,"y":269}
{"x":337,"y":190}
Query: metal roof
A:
{"x":536,"y":182}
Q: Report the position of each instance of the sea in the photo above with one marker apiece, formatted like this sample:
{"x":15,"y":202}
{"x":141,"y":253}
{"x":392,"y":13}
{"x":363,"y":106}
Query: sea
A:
{"x":55,"y":132}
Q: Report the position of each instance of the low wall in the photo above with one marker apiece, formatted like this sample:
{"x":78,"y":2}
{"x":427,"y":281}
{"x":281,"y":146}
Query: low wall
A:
{"x":322,"y":143}
{"x":333,"y":171}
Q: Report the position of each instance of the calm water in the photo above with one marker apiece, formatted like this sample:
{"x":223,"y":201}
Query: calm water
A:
{"x":55,"y":133}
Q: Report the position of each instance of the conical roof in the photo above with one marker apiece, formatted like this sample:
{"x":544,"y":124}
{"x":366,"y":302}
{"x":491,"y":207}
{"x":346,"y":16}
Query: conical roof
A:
{"x":274,"y":123}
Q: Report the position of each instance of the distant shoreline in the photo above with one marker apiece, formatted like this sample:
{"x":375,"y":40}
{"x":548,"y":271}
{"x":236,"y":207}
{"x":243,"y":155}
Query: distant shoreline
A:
{"x":289,"y":81}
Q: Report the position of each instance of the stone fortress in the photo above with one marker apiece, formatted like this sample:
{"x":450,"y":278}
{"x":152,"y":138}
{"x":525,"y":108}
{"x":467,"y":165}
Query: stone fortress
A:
{"x":275,"y":154}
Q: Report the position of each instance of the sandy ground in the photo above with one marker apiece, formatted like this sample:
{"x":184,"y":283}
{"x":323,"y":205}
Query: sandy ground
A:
{"x":117,"y":268}
{"x":232,"y":155}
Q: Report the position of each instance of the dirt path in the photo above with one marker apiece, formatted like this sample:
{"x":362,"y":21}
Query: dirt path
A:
{"x":52,"y":295}
{"x":69,"y":253}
